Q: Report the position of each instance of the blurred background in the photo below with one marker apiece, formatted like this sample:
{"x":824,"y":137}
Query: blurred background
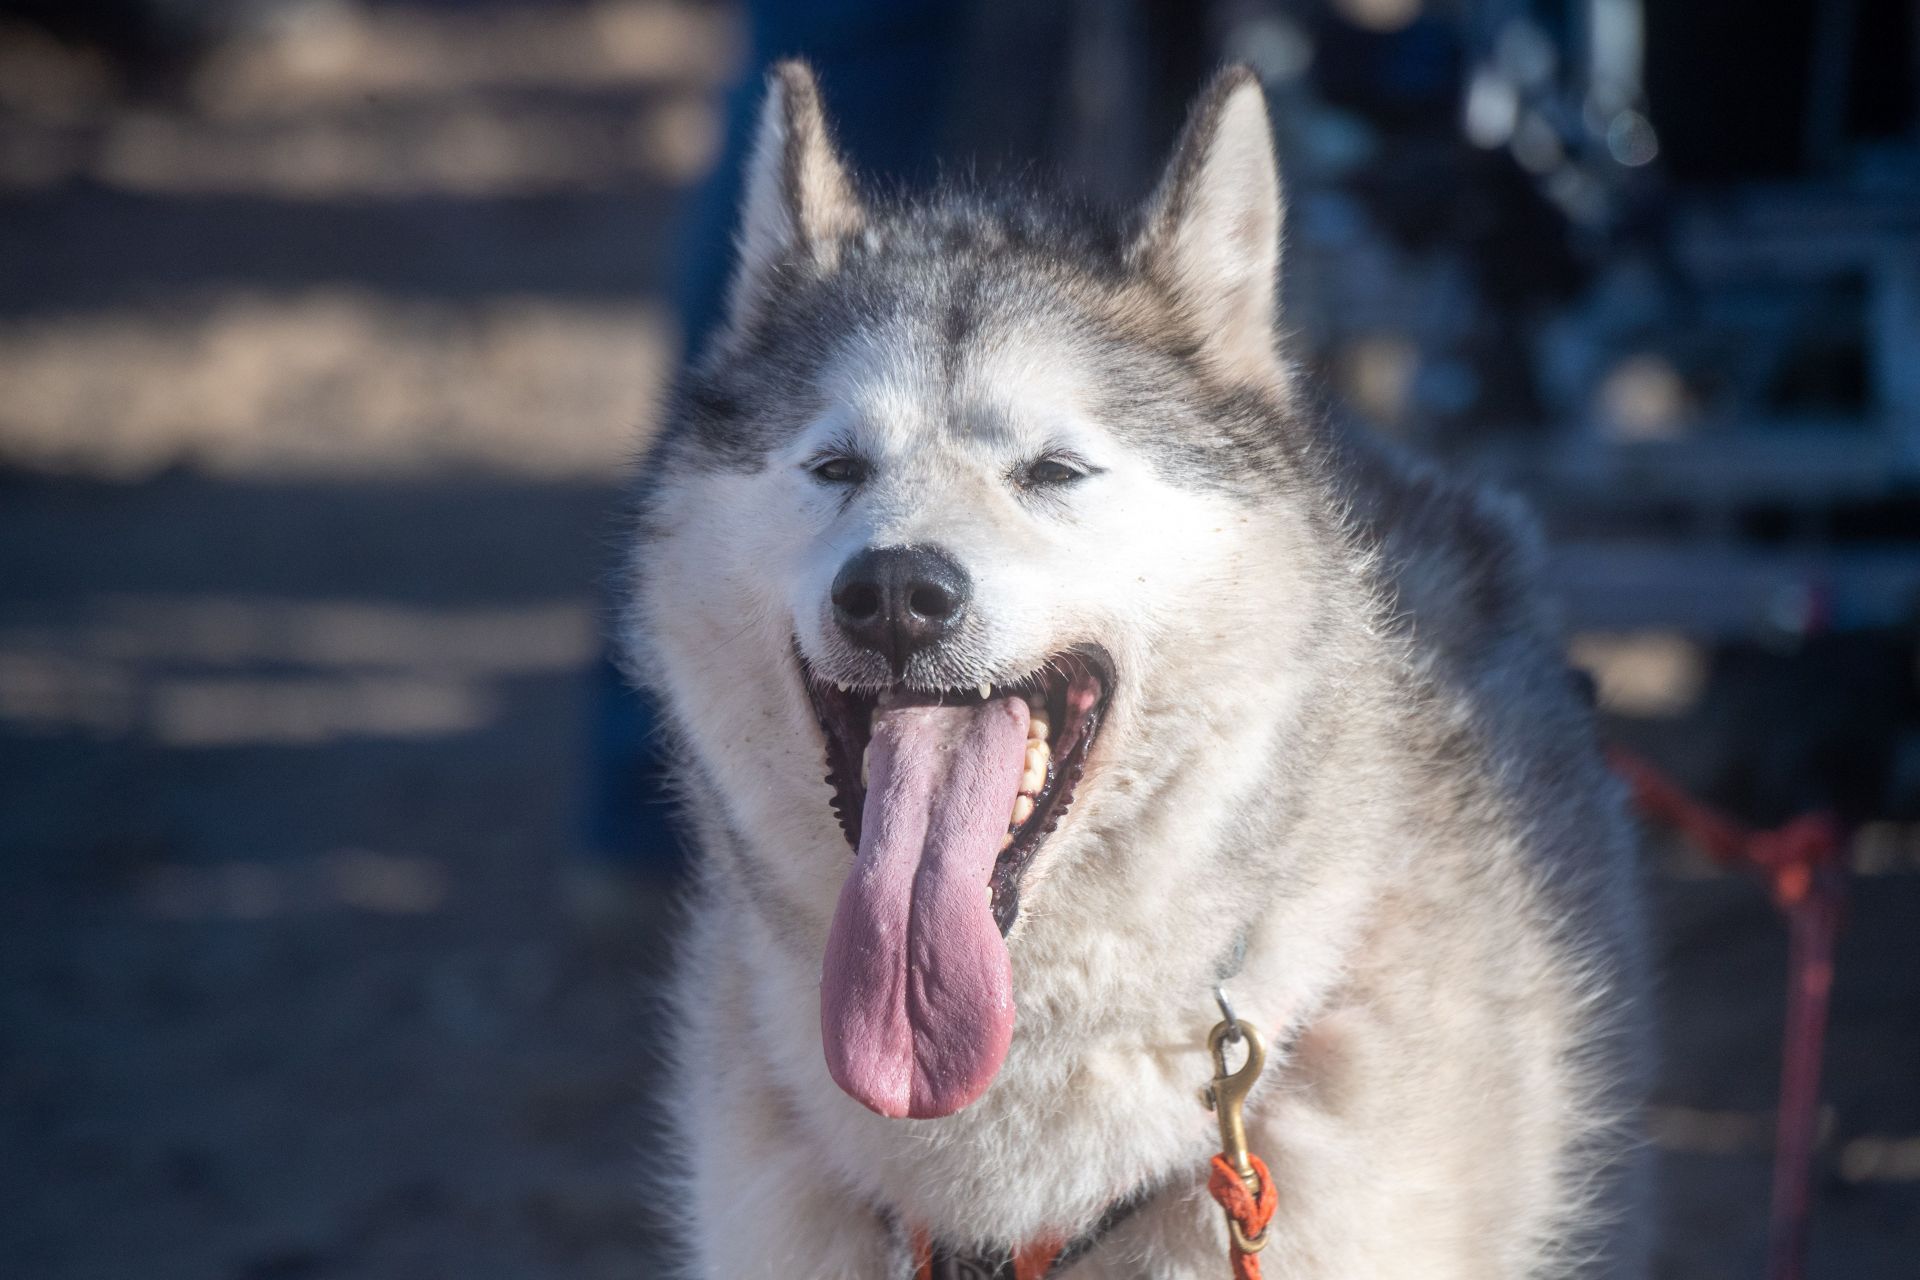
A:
{"x":332,"y":858}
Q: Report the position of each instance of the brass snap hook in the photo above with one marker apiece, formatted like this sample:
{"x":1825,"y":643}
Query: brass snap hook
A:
{"x":1252,"y":1203}
{"x":1228,"y":1093}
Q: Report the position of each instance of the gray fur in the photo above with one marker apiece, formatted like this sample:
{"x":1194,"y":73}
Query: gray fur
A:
{"x":1341,"y":731}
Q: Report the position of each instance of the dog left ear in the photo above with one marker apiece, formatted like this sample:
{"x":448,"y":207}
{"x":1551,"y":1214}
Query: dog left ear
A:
{"x":1211,"y":231}
{"x":800,"y":204}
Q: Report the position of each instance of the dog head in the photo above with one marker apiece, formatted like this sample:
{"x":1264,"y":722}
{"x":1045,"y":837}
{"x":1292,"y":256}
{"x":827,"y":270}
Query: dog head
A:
{"x":991,"y":516}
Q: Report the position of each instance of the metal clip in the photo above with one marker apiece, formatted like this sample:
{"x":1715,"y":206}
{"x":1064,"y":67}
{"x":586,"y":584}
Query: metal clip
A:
{"x":1225,"y":1098}
{"x":1226,"y":1011}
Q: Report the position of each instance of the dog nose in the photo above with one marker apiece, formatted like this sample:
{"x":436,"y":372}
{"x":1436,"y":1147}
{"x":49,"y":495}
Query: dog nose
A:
{"x":897,"y":601}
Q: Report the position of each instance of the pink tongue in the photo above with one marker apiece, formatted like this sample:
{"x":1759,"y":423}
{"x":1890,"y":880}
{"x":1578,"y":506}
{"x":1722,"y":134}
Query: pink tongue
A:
{"x":916,"y":996}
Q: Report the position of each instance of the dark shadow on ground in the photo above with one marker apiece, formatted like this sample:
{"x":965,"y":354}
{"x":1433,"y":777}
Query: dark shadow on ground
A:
{"x":279,"y":1007}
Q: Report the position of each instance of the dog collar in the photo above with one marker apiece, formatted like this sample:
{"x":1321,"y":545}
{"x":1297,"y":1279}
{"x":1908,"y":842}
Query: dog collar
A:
{"x":933,"y":1260}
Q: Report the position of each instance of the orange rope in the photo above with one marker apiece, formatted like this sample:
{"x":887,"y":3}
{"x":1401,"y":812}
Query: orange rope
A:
{"x":1252,"y":1213}
{"x":1792,"y":859}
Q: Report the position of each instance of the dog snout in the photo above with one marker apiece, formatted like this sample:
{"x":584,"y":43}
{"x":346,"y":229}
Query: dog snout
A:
{"x":897,"y":601}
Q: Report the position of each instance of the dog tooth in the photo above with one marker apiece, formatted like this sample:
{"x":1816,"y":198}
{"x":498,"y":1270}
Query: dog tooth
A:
{"x":1038,"y":726}
{"x":1022,"y":809}
{"x":1006,"y":842}
{"x":986,"y":690}
{"x":1033,"y":776}
{"x":1038,"y":753}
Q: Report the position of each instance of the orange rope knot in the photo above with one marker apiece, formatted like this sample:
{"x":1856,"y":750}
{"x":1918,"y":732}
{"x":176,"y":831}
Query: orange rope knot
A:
{"x":1249,"y":1213}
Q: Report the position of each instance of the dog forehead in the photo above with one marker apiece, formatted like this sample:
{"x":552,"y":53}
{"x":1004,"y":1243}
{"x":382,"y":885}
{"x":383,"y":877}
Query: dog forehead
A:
{"x":1006,"y":378}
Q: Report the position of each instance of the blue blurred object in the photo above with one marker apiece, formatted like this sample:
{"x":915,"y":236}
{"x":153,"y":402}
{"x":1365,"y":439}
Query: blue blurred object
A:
{"x":885,"y":67}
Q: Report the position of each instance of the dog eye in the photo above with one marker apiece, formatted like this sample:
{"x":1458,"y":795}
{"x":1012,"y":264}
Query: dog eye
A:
{"x":839,"y":469}
{"x":1047,"y":473}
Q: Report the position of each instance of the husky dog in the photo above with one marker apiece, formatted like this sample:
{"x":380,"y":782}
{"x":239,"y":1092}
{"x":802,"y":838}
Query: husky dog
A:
{"x":1037,"y":664}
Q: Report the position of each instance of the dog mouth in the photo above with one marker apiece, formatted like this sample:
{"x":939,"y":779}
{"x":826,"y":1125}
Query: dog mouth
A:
{"x":1064,"y":702}
{"x":946,"y":797}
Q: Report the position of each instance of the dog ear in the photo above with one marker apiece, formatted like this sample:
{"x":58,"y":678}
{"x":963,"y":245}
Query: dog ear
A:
{"x":1210,"y":233}
{"x":799,"y":202}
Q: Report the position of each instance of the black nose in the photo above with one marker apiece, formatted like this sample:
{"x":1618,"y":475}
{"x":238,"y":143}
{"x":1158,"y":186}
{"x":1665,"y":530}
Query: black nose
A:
{"x":897,"y":601}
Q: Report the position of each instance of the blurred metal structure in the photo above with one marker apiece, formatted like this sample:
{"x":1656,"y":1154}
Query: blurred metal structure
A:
{"x":1749,"y":353}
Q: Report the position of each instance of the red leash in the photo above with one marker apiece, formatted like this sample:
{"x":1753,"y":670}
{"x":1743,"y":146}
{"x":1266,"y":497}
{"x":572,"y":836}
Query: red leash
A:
{"x":1804,"y":865}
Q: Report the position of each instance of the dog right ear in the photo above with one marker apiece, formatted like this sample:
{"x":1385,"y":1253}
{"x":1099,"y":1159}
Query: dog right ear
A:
{"x":800,"y":204}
